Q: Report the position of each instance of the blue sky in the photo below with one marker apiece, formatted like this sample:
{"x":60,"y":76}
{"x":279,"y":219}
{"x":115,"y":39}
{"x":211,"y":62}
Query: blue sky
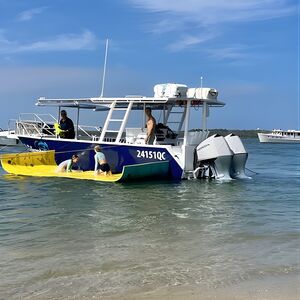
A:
{"x":247,"y":49}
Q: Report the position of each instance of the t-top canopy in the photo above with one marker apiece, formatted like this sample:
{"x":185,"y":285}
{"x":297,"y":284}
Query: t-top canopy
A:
{"x":103,"y":103}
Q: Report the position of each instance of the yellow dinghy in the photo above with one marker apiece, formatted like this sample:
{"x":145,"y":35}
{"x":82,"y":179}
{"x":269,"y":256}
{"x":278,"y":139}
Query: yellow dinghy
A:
{"x":42,"y":164}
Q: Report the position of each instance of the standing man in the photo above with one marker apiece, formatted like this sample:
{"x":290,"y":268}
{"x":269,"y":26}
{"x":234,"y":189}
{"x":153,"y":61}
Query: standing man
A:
{"x":151,"y":124}
{"x":67,"y":126}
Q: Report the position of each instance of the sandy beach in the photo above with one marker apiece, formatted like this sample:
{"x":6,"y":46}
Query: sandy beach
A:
{"x":285,"y":287}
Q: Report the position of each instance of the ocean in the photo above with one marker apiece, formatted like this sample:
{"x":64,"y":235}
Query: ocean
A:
{"x":196,"y":239}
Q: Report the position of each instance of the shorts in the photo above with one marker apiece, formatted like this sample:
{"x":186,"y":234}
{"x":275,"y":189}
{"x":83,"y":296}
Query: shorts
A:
{"x":104,"y":167}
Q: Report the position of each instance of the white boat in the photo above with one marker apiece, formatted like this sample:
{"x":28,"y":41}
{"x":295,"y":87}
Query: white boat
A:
{"x":189,"y":153}
{"x":280,"y":136}
{"x":8,"y":138}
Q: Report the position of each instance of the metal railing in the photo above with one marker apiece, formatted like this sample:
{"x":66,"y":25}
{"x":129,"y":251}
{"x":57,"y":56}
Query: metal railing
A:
{"x":43,"y":118}
{"x":34,"y":124}
{"x":93,"y":132}
{"x":42,"y":125}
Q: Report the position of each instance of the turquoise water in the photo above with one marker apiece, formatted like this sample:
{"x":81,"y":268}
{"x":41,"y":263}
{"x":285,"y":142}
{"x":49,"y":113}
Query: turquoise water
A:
{"x":61,"y":238}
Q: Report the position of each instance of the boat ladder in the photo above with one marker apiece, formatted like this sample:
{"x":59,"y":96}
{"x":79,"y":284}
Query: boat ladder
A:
{"x":177,"y":119}
{"x":110,"y":119}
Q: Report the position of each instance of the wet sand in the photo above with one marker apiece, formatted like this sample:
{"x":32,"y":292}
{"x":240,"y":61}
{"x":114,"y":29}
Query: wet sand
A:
{"x":275,"y":288}
{"x":284,"y":287}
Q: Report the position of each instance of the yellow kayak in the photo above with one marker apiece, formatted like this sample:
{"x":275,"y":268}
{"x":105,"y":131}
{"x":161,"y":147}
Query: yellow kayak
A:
{"x":42,"y":164}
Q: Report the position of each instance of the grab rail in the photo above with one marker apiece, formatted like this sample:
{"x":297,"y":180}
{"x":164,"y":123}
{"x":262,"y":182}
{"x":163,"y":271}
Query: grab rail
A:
{"x":32,"y":124}
{"x":37,"y":117}
{"x":89,"y":134}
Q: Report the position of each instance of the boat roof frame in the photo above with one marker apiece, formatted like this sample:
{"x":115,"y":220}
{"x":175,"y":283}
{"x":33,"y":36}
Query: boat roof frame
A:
{"x":104,"y":103}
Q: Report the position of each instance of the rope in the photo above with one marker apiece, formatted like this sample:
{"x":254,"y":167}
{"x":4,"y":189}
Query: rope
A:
{"x":196,"y":108}
{"x":251,"y":171}
{"x":3,"y":147}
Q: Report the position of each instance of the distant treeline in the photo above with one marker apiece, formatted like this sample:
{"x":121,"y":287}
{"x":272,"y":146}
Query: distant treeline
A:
{"x":241,"y":133}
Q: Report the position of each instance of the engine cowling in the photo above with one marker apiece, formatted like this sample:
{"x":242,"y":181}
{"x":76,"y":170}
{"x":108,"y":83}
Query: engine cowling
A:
{"x":239,"y":158}
{"x":214,"y":158}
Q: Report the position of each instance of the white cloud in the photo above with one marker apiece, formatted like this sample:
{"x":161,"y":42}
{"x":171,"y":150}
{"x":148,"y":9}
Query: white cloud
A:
{"x":203,"y":17}
{"x":188,"y":41}
{"x":218,"y":11}
{"x":231,"y":52}
{"x":64,"y":42}
{"x":5,"y":44}
{"x":166,"y":26}
{"x":27,"y":15}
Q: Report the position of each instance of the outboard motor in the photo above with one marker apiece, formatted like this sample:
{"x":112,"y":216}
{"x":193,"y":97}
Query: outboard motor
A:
{"x":213,"y":158}
{"x":240,"y":156}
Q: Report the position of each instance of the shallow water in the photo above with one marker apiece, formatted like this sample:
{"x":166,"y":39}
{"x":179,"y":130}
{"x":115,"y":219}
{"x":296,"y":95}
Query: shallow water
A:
{"x":63,"y":238}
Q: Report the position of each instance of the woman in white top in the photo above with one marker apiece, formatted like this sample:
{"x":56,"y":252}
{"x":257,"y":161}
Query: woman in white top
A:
{"x":66,"y":165}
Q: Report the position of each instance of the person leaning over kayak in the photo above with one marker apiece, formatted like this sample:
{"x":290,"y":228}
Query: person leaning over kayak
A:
{"x":101,"y":165}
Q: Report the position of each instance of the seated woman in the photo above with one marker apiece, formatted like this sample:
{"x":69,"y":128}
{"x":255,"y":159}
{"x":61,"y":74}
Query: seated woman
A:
{"x":101,"y":165}
{"x":66,"y":166}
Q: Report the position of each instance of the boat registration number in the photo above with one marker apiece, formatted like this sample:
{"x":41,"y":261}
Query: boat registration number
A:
{"x":151,"y":154}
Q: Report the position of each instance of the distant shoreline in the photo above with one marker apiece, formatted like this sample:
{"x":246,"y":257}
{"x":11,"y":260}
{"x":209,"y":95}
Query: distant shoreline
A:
{"x":242,"y":133}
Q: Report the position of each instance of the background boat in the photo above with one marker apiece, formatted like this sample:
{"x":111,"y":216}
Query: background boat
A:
{"x":8,"y":138}
{"x":280,"y":136}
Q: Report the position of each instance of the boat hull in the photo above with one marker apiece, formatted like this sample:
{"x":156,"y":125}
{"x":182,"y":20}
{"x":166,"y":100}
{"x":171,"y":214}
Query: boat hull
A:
{"x":117,"y":155}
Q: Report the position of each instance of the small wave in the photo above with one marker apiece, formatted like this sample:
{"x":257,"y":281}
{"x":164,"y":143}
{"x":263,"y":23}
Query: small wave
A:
{"x":181,"y":215}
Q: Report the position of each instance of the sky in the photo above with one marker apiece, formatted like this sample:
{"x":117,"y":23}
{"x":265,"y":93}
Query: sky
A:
{"x":247,"y":49}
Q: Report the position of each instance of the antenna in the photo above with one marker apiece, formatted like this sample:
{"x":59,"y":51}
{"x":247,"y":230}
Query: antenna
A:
{"x":298,"y":69}
{"x":201,"y":83}
{"x":104,"y":68}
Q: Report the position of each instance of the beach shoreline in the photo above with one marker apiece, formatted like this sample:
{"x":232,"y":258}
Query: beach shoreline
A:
{"x":283,"y":287}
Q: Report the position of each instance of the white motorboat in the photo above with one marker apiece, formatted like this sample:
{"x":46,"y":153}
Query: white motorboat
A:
{"x":8,"y":138}
{"x":190,"y":153}
{"x":280,"y":136}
